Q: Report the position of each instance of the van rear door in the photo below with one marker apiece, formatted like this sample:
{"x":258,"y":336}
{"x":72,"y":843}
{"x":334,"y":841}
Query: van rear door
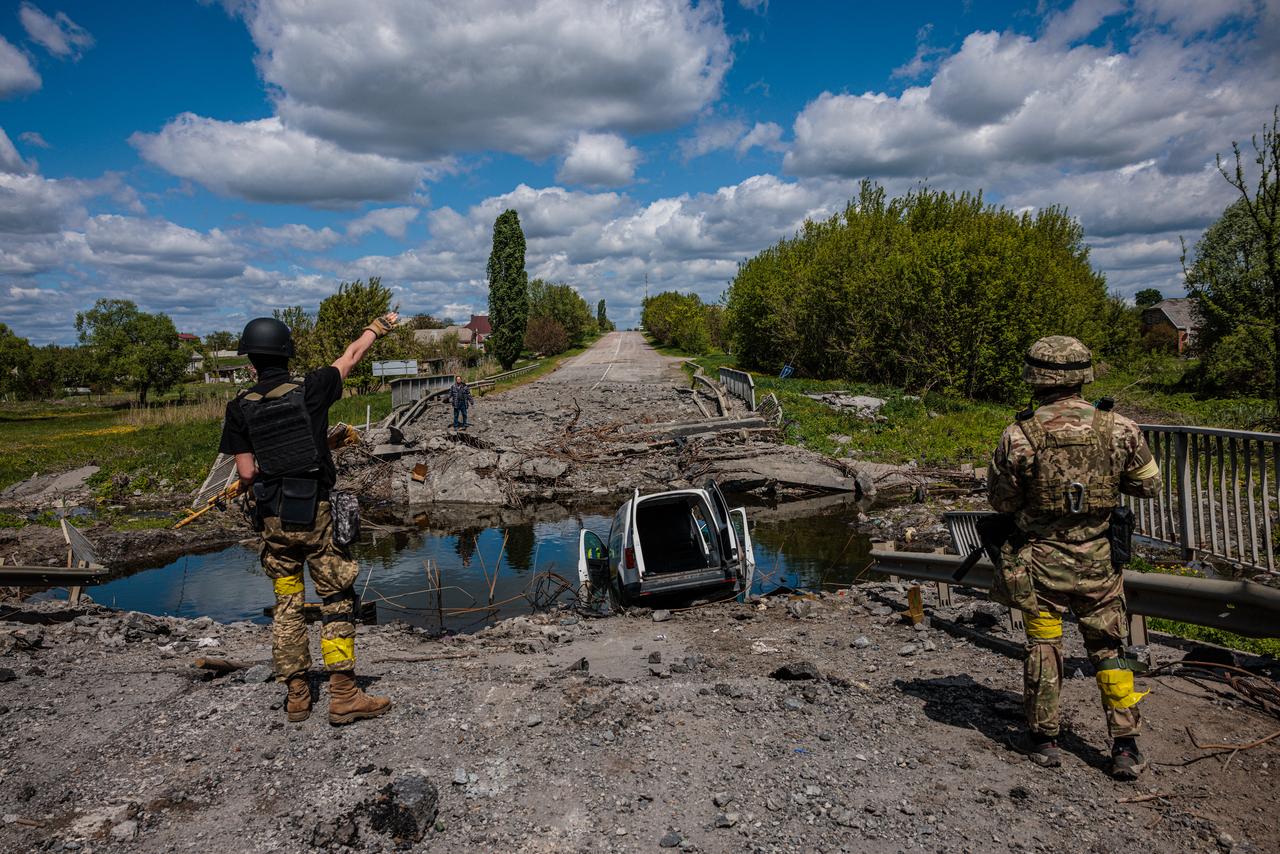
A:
{"x":720,"y":509}
{"x":633,"y":551}
{"x":593,"y":562}
{"x":747,"y":563}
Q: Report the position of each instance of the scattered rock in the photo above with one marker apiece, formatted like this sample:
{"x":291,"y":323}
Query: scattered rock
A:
{"x":125,"y":830}
{"x":655,"y":657}
{"x":7,"y":675}
{"x":661,"y":615}
{"x":670,"y":839}
{"x":861,"y":642}
{"x":405,"y":808}
{"x":258,"y":674}
{"x":726,"y":819}
{"x":907,"y":649}
{"x":459,"y":776}
{"x":534,"y":719}
{"x":722,"y":799}
{"x":797,"y":670}
{"x":792,"y":704}
{"x":801,"y":608}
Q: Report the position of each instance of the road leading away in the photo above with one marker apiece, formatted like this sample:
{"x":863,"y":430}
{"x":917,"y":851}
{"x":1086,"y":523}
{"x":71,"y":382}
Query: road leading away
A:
{"x":618,"y":357}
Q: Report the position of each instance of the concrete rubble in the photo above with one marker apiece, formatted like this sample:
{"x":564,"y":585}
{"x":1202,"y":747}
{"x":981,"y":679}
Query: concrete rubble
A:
{"x":828,"y":739}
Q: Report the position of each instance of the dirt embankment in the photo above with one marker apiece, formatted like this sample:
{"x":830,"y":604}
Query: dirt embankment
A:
{"x":557,"y":733}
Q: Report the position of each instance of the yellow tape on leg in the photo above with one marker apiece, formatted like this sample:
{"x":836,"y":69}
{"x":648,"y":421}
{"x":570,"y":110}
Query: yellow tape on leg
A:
{"x":338,"y":650}
{"x":1117,"y":689}
{"x":289,"y":585}
{"x":1043,"y":626}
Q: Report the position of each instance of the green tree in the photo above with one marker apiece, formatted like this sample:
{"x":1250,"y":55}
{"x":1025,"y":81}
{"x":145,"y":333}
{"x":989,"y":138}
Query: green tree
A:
{"x":1147,"y":297}
{"x":341,"y":319}
{"x":546,"y":335}
{"x":508,"y":289}
{"x":602,"y":319}
{"x":930,"y":290}
{"x":1235,"y":277}
{"x":564,"y":305}
{"x":221,"y":340}
{"x":677,"y":319}
{"x":132,"y":348}
{"x":302,"y":327}
{"x":15,"y":362}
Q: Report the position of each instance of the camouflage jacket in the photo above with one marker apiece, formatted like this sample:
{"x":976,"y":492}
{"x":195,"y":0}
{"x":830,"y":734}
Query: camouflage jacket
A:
{"x":1133,"y":471}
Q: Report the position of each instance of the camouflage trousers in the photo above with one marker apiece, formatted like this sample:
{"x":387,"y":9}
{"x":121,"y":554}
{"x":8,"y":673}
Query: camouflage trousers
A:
{"x":1076,"y":577}
{"x":333,"y":572}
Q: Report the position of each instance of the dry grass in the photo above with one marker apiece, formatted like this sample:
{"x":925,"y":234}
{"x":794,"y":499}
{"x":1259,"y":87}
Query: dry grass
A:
{"x":207,"y":409}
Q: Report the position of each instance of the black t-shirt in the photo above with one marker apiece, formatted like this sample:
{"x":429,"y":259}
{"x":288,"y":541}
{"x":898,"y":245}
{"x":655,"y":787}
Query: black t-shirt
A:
{"x":321,"y":389}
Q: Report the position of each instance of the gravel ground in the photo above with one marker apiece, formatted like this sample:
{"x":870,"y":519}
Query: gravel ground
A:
{"x":672,"y":734}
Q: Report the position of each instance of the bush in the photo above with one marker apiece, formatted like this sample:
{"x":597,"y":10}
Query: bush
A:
{"x":679,"y":320}
{"x":1243,"y":361}
{"x":547,"y":336}
{"x":929,"y":291}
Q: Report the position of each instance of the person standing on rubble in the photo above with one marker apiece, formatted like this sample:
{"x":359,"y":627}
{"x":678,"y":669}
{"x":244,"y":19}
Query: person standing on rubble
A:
{"x":460,"y":398}
{"x":277,"y":432}
{"x":1060,"y":469}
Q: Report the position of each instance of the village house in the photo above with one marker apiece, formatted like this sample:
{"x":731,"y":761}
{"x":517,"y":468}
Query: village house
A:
{"x":480,"y":328}
{"x":1171,"y":320}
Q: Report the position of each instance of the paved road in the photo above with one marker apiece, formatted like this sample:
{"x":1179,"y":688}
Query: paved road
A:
{"x":618,"y":357}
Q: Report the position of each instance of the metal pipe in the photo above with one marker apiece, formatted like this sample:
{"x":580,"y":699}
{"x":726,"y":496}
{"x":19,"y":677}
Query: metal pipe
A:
{"x":1242,"y":607}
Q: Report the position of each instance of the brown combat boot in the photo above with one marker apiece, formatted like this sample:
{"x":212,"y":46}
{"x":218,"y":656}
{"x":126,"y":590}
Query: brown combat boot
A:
{"x":347,"y":703}
{"x":298,"y":704}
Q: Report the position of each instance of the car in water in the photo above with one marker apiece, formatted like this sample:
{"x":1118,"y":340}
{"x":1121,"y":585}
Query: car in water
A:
{"x":682,"y":541}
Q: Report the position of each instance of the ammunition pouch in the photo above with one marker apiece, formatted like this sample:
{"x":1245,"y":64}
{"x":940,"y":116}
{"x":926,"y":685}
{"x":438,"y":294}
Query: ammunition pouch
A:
{"x":344,"y":510}
{"x":292,"y":499}
{"x":1120,"y":535}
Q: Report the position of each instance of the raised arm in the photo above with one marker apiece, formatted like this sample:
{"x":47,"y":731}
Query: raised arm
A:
{"x":356,"y":349}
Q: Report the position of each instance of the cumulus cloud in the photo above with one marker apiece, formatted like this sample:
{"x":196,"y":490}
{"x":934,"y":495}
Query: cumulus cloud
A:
{"x":10,"y":160}
{"x":160,"y":247}
{"x":766,"y":135}
{"x":421,"y":81}
{"x":266,"y":161}
{"x":17,"y":77}
{"x":59,"y":35}
{"x":1006,"y":98}
{"x":712,"y":136}
{"x":599,"y":160}
{"x":392,"y":222}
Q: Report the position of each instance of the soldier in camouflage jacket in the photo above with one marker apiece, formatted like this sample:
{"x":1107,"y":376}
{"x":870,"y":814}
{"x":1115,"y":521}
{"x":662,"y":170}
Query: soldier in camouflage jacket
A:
{"x":1060,"y":469}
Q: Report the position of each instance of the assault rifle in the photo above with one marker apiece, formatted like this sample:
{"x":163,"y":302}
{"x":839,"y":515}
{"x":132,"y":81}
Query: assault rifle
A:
{"x":998,"y":528}
{"x":340,"y":435}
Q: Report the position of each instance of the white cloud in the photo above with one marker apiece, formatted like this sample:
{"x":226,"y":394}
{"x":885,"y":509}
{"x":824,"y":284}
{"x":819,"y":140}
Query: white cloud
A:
{"x":32,"y":138}
{"x":766,"y":135}
{"x":17,"y":77}
{"x":266,"y":161}
{"x":160,"y":247}
{"x":10,"y":160}
{"x":294,"y":235}
{"x":421,"y":81}
{"x":599,"y":160}
{"x":59,"y":35}
{"x":392,"y":222}
{"x":712,"y":136}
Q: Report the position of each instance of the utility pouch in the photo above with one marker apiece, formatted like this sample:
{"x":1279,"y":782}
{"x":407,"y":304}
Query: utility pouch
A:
{"x":1120,"y":535}
{"x":1012,"y":585}
{"x":344,"y":509}
{"x":298,"y":499}
{"x":266,"y":502}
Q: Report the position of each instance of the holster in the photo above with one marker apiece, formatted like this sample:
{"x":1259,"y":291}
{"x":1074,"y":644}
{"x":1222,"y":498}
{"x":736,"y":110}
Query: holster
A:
{"x":1120,"y":535}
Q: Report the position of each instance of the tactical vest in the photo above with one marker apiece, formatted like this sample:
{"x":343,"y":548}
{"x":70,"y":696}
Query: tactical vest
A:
{"x":1072,"y":471}
{"x":280,"y":431}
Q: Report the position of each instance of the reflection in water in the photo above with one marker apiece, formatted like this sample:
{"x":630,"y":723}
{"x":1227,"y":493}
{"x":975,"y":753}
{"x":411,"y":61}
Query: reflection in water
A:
{"x":479,"y":578}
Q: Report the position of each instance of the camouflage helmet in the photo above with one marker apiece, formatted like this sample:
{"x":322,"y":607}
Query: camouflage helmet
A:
{"x":1057,"y":360}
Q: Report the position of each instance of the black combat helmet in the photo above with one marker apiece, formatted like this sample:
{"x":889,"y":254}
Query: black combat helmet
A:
{"x":266,"y":336}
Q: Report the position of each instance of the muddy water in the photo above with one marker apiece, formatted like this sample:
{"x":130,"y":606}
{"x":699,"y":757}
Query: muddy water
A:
{"x":481,"y":561}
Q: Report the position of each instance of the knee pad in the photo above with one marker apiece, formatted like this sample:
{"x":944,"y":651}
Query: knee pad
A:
{"x":341,"y":607}
{"x":289,"y":585}
{"x":1044,"y":626}
{"x":1116,"y":687}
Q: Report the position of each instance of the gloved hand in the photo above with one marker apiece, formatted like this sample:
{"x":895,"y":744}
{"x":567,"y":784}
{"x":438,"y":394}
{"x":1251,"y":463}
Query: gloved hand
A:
{"x":380,"y":326}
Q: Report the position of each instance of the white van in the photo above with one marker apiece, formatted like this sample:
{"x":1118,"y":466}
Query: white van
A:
{"x":680,"y":541}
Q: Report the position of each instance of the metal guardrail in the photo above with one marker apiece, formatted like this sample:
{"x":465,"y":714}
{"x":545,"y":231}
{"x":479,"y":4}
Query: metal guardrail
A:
{"x":407,"y":390}
{"x":740,"y":385}
{"x":1243,"y":607}
{"x":1219,"y":493}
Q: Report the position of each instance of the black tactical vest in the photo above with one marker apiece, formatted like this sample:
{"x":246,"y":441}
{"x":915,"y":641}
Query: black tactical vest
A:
{"x":280,"y":431}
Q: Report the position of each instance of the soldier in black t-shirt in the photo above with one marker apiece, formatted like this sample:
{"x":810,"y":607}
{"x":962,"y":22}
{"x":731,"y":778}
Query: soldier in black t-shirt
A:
{"x":277,"y":431}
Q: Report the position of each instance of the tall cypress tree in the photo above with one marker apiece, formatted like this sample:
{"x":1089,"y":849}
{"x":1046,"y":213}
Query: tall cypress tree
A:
{"x":602,"y":319}
{"x":508,"y":289}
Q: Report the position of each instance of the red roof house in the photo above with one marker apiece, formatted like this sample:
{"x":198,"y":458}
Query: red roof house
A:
{"x":480,"y":328}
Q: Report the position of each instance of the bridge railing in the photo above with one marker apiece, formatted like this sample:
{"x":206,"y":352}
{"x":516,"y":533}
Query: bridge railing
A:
{"x":1219,"y":493}
{"x":740,"y":385}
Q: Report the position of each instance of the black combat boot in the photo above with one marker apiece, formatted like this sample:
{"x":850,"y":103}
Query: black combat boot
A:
{"x":1040,"y":749}
{"x":1127,"y":761}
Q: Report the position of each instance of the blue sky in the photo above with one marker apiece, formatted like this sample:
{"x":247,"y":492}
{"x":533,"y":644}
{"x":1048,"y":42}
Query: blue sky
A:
{"x":217,"y":160}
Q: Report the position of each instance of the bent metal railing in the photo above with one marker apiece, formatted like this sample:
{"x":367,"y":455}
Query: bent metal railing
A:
{"x":1219,"y":493}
